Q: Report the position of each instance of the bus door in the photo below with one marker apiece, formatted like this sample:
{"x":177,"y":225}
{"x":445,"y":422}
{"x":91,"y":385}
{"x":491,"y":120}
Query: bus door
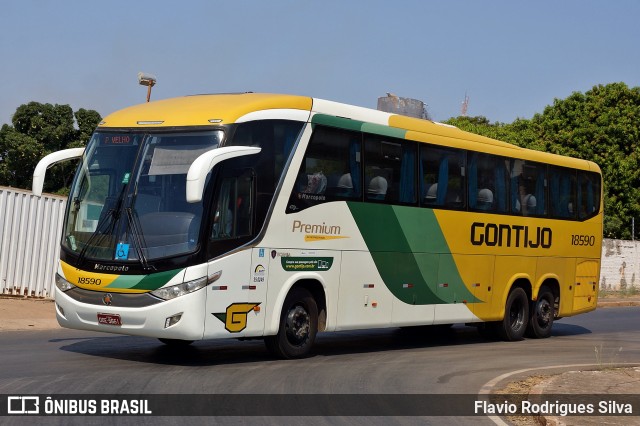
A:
{"x":234,"y":296}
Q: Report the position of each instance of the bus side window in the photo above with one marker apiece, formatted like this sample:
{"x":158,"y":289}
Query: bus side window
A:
{"x":528,"y":188}
{"x":563,"y":192}
{"x":442,"y":176}
{"x":331,"y":169}
{"x":390,"y":169}
{"x":487,"y":182}
{"x":588,"y":194}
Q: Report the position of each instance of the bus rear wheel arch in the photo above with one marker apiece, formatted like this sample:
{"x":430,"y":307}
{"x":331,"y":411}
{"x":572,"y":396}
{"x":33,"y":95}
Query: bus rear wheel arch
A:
{"x":298,"y":326}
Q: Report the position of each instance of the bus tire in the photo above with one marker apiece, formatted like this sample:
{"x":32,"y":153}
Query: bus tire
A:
{"x":176,"y":342}
{"x":298,"y":326}
{"x":542,"y":314}
{"x":516,"y":316}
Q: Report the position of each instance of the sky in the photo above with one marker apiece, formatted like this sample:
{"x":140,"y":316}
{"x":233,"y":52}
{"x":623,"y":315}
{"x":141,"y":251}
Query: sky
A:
{"x":512,"y":58}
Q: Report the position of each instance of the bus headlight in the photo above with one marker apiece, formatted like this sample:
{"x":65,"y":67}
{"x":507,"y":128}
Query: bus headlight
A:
{"x":168,"y":293}
{"x":62,"y":284}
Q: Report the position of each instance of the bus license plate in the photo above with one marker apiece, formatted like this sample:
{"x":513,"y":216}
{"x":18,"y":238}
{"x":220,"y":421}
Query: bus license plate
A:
{"x":109,"y":319}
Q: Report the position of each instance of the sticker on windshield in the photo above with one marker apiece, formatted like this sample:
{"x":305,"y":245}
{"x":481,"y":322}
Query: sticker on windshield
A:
{"x":122,"y":251}
{"x":125,"y":179}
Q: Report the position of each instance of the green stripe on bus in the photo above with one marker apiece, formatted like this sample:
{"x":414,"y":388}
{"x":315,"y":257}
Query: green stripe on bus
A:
{"x":411,"y":253}
{"x":342,"y":123}
{"x":143,"y":282}
{"x":155,"y":281}
{"x":379,"y":129}
{"x":348,"y":124}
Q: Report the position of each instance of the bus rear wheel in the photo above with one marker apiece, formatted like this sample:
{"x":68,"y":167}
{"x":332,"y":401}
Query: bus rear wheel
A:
{"x":298,"y":326}
{"x":542,"y":314}
{"x":516,"y":316}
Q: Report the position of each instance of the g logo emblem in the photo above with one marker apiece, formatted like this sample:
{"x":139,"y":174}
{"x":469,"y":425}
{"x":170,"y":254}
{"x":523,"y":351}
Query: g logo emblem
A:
{"x":235,"y":318}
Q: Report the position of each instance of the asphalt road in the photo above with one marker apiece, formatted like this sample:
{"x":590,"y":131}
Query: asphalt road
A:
{"x":389,"y":361}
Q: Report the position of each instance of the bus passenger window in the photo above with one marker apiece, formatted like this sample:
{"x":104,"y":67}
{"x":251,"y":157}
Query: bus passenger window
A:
{"x":330,"y":170}
{"x":588,"y":194}
{"x":487,"y":182}
{"x":563,"y":192}
{"x":528,"y":188}
{"x":442,"y":175}
{"x":390,"y":169}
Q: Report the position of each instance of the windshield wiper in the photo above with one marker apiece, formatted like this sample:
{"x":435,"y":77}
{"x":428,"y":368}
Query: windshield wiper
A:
{"x":136,"y":236}
{"x":104,"y":222}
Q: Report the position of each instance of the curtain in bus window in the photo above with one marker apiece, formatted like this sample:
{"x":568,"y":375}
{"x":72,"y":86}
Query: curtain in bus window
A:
{"x":500,"y":186}
{"x":289,"y":140}
{"x":539,"y":210}
{"x":354,"y":166}
{"x":554,"y":190}
{"x":581,"y":207}
{"x":473,"y":181}
{"x":586,"y":199}
{"x":590,"y":198}
{"x":516,"y":170}
{"x":565,"y":192}
{"x":423,"y":186}
{"x":443,"y":180}
{"x":407,"y":178}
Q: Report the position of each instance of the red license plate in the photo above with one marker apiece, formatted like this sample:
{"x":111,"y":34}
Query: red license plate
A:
{"x":109,"y":319}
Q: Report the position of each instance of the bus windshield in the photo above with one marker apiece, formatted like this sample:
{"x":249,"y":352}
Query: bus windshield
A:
{"x":128,"y":199}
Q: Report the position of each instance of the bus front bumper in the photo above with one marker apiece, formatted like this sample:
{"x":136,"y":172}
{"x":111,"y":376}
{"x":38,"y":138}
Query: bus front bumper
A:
{"x":179,"y":318}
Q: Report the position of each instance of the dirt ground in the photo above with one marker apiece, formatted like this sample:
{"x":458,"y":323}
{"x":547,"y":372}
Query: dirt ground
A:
{"x":27,"y":314}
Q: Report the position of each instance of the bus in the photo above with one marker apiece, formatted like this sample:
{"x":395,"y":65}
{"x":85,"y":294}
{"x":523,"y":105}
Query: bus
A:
{"x":278,"y":216}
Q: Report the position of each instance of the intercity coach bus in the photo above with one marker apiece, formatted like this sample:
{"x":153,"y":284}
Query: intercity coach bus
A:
{"x":277,"y":217}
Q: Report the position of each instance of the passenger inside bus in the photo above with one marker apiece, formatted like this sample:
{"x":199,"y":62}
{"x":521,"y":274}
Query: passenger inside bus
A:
{"x":377,"y":189}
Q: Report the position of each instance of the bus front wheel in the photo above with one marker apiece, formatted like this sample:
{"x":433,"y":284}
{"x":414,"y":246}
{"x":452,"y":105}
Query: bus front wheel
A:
{"x":298,"y":326}
{"x":516,"y":316}
{"x":542,"y":313}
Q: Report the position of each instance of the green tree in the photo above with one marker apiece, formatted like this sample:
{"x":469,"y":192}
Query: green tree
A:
{"x":601,"y":125}
{"x":39,"y":129}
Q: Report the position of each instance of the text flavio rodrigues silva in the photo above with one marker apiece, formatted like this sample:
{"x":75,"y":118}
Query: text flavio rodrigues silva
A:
{"x":554,"y":408}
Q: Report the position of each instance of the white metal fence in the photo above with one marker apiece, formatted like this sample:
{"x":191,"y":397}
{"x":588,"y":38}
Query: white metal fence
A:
{"x":30,"y":229}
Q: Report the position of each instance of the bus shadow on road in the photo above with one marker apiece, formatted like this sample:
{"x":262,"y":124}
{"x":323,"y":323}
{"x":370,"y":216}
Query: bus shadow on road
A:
{"x":231,"y":351}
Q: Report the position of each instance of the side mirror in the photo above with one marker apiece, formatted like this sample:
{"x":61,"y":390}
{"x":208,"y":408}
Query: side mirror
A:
{"x":202,"y":165}
{"x":48,"y":161}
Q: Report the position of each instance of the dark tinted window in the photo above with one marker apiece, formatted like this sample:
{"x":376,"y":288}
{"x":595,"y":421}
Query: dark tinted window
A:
{"x":442,"y":177}
{"x":390,"y":170}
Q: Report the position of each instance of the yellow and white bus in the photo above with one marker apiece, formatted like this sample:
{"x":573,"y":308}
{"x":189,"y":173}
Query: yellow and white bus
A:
{"x":276,"y":217}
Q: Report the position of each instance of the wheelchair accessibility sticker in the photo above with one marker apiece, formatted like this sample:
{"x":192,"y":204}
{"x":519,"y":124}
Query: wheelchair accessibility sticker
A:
{"x":122,"y":251}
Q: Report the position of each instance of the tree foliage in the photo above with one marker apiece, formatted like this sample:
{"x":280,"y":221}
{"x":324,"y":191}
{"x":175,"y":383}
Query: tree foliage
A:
{"x":601,"y":125}
{"x":39,"y":129}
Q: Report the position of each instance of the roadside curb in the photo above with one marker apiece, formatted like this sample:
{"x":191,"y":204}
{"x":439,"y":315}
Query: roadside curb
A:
{"x":609,"y":380}
{"x":618,"y":303}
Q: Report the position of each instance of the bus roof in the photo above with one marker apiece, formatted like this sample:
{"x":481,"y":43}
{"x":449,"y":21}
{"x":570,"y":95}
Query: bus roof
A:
{"x":216,"y":109}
